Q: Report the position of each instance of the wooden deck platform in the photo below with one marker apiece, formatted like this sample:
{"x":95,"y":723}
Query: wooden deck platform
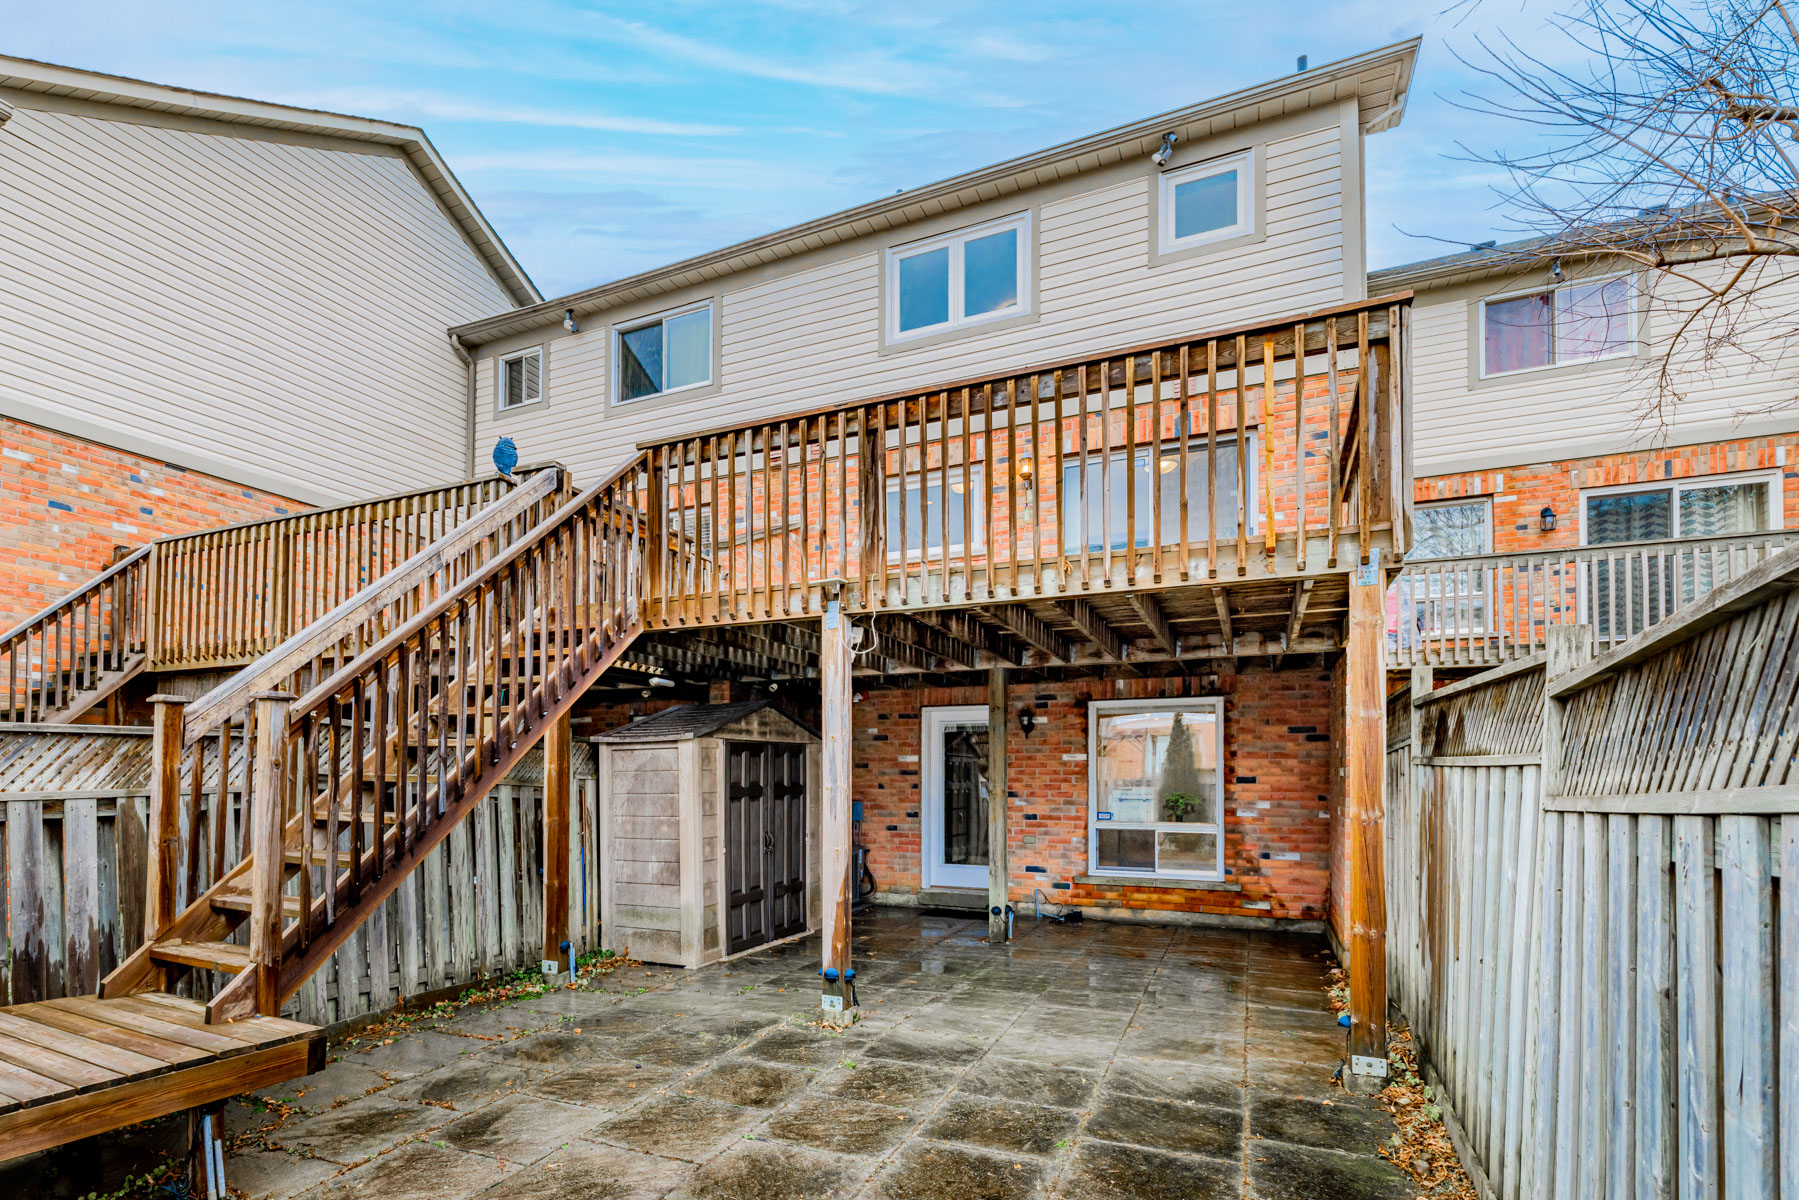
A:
{"x":80,"y":1066}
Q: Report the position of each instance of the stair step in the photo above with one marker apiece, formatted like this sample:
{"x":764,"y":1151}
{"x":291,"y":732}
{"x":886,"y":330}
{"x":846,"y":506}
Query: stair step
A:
{"x":240,"y":902}
{"x":317,"y":858}
{"x":228,"y":957}
{"x":343,"y":816}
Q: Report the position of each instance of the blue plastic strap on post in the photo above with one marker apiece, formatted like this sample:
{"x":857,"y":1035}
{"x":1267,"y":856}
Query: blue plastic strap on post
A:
{"x":831,"y":972}
{"x":1343,"y":1019}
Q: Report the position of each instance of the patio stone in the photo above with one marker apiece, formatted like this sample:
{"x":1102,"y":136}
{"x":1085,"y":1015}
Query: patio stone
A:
{"x":519,"y":1128}
{"x":465,"y":1084}
{"x":415,"y":1053}
{"x":1036,"y":1083}
{"x":1107,"y":1171}
{"x":747,"y":1083}
{"x":923,"y":1171}
{"x":272,"y":1175}
{"x":358,"y":1130}
{"x":605,"y":1085}
{"x":1004,"y":1125}
{"x":1215,"y":1081}
{"x":901,"y":1084}
{"x":772,"y":1171}
{"x":420,"y":1171}
{"x":1279,"y":1171}
{"x":588,"y":1172}
{"x":846,"y":1126}
{"x":1343,"y":1123}
{"x":1167,"y":1125}
{"x":677,"y":1127}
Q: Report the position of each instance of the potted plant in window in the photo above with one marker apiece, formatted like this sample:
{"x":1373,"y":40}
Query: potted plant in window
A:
{"x":1180,"y":787}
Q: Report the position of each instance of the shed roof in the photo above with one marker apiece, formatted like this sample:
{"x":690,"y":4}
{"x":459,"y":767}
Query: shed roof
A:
{"x":689,"y":721}
{"x":1377,"y":80}
{"x":29,"y":75}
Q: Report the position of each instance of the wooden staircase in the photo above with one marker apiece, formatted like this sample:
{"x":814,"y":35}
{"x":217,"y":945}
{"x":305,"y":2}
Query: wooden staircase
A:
{"x":353,"y":783}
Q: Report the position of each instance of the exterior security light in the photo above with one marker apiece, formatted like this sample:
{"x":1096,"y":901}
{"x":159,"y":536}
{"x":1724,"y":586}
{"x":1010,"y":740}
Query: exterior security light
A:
{"x":1547,"y":517}
{"x":1027,"y":721}
{"x":1161,"y":157}
{"x":568,"y":320}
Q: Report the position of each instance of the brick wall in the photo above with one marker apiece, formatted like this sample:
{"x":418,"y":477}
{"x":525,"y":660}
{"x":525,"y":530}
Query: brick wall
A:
{"x":1519,"y":493}
{"x":1277,"y":763}
{"x":66,"y":502}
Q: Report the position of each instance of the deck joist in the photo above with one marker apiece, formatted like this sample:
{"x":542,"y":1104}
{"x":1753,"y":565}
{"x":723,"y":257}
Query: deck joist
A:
{"x":80,"y":1066}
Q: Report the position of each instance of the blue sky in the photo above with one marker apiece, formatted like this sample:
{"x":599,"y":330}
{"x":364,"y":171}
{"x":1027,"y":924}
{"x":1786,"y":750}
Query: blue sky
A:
{"x":603,"y":139}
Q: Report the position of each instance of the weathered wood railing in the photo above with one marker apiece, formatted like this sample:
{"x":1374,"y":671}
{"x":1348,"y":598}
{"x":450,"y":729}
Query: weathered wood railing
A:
{"x":57,"y":663}
{"x":1219,"y":455}
{"x":73,"y":847}
{"x":225,"y":596}
{"x":1492,"y":608}
{"x":1593,"y":926}
{"x":353,"y":785}
{"x":218,"y":598}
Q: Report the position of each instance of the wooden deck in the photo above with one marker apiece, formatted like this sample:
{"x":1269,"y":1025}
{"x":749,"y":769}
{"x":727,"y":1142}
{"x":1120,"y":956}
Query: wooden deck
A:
{"x":80,"y":1066}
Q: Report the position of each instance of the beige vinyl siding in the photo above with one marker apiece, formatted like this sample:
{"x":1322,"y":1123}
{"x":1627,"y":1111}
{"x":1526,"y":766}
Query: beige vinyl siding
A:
{"x":1462,"y":422}
{"x":811,"y":335}
{"x":265,"y":311}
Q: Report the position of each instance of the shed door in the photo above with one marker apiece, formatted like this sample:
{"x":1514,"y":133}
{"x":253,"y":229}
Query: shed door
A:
{"x":765,"y":842}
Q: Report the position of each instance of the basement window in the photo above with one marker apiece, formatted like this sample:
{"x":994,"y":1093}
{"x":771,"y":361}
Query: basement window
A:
{"x":1576,"y":322}
{"x":669,"y":352}
{"x":1156,"y":788}
{"x":521,"y":378}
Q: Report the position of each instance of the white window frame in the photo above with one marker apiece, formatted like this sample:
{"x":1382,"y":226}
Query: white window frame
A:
{"x":955,"y":241}
{"x":934,"y":718}
{"x":1243,"y":163}
{"x":1630,"y":338}
{"x":1771,"y":478}
{"x":899,"y":486}
{"x":1171,"y":520}
{"x":506,"y":361}
{"x":1485,"y":502}
{"x":632,"y":326}
{"x":1101,"y":708}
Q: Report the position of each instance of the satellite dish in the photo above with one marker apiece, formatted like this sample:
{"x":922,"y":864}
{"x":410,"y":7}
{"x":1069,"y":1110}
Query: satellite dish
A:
{"x":505,"y":455}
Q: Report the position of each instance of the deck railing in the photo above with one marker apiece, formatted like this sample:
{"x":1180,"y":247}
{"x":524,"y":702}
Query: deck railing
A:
{"x":96,"y":631}
{"x":1254,"y":452}
{"x":1493,"y":608}
{"x":218,"y":598}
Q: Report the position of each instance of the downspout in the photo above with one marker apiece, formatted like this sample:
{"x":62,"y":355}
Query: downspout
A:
{"x":468,"y":418}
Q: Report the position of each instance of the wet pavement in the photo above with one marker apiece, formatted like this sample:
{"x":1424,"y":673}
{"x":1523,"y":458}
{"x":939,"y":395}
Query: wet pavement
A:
{"x":1094,"y":1061}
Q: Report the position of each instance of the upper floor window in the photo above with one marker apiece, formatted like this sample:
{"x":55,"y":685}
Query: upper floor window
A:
{"x":521,"y":378}
{"x":664,"y":353}
{"x":968,"y":277}
{"x":1206,"y":202}
{"x":1706,"y":506}
{"x":1576,"y":322}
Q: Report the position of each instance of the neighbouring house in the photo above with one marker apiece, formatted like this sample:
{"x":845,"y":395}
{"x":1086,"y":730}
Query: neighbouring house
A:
{"x":1552,"y":468}
{"x":215,"y":310}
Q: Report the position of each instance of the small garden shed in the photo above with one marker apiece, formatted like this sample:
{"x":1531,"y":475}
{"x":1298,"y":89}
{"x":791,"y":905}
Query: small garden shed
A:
{"x":709,"y":820}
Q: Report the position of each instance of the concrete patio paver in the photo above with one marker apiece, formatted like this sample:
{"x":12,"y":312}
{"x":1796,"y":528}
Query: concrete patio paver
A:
{"x":1089,"y":1061}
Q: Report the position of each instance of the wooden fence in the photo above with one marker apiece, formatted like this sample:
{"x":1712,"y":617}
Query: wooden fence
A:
{"x":1592,"y":924}
{"x":72,"y":889}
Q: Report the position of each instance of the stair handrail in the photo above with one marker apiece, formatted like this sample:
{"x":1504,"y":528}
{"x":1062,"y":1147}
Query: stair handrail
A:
{"x":125,"y":637}
{"x":529,"y":630}
{"x":278,"y":666}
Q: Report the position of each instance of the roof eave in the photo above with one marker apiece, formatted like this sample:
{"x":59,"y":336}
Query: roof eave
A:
{"x":1139,"y":138}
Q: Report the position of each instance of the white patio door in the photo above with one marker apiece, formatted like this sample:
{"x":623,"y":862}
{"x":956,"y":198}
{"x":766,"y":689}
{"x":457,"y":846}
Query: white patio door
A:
{"x":953,"y":773}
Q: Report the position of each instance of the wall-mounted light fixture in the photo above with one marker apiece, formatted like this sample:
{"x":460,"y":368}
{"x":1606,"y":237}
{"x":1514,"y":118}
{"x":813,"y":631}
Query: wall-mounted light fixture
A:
{"x":1547,"y":519}
{"x":1027,"y":720}
{"x":1161,"y":157}
{"x":1555,"y":270}
{"x":568,"y":320}
{"x":1027,"y":471}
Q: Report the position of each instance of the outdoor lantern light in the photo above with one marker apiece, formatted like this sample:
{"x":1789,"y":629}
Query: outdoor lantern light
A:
{"x":1027,"y":721}
{"x":1547,"y":517}
{"x":1027,"y":470}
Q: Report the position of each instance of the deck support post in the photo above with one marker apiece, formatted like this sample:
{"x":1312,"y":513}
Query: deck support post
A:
{"x":558,"y":749}
{"x":839,"y":994}
{"x":998,"y":868}
{"x":1364,"y":762}
{"x":161,"y":893}
{"x":268,"y":867}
